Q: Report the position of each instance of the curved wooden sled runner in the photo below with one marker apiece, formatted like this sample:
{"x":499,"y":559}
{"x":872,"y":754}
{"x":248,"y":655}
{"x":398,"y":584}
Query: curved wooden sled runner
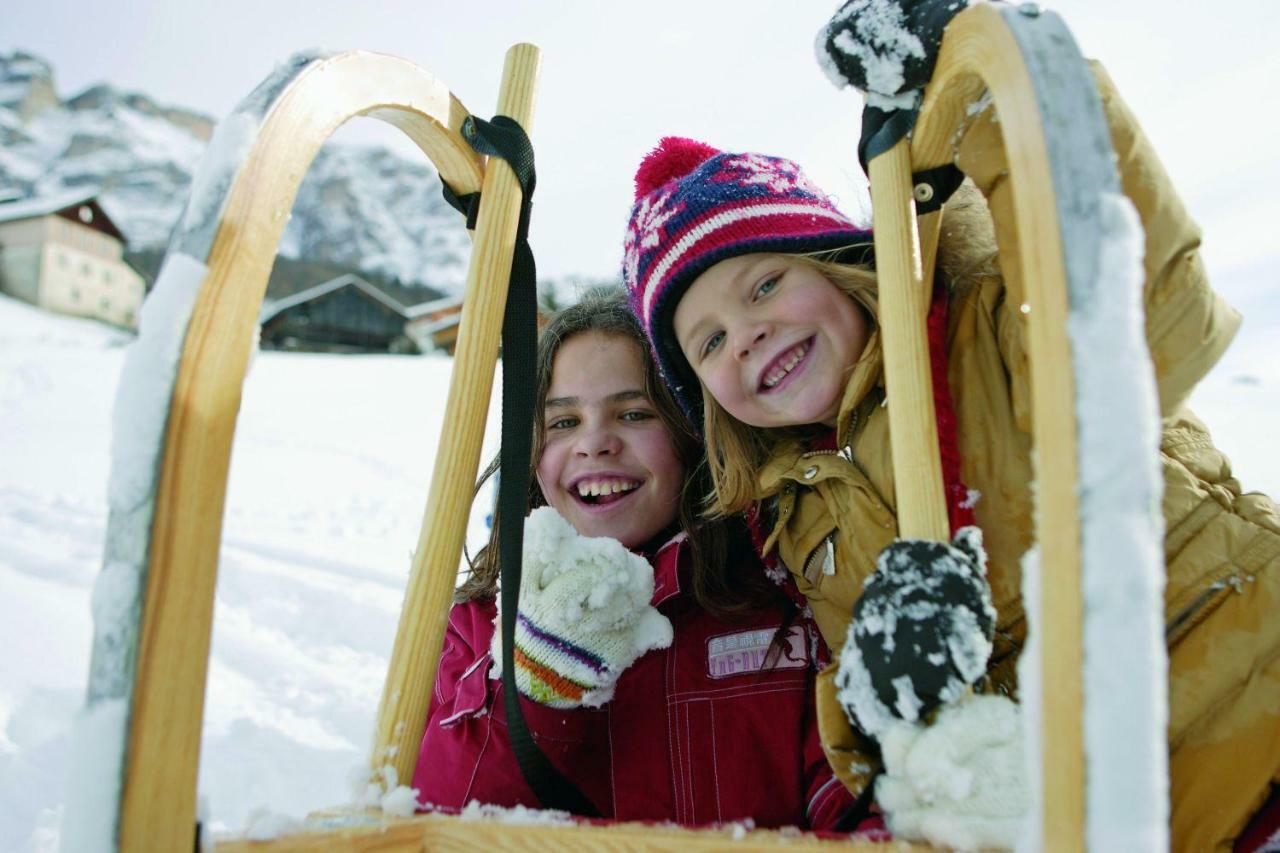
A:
{"x":171,"y":534}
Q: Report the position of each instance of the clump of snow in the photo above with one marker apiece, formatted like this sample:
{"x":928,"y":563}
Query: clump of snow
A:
{"x":146,"y":384}
{"x":93,"y":788}
{"x":232,"y":139}
{"x":381,"y":790}
{"x":1122,"y":550}
{"x":141,"y":413}
{"x":518,"y":815}
{"x":1029,"y":691}
{"x":857,"y":695}
{"x":914,"y":587}
{"x":877,"y":35}
{"x":960,"y":782}
{"x":591,"y":591}
{"x":400,"y":801}
{"x":266,"y":825}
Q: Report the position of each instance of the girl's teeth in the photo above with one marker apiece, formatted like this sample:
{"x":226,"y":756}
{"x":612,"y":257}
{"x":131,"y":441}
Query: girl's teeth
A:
{"x":776,"y":375}
{"x":597,"y":488}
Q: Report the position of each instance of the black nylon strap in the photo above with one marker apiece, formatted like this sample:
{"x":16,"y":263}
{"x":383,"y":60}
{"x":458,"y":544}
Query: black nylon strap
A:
{"x":503,"y":137}
{"x":881,"y":130}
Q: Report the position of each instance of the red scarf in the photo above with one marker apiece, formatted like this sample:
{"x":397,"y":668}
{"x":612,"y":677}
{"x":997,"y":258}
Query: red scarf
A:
{"x":959,"y":507}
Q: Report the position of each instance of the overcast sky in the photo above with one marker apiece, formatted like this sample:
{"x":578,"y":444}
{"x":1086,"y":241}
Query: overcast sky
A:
{"x":739,"y":75}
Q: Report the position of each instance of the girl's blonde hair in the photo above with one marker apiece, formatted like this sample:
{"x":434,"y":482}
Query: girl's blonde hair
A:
{"x":967,"y":254}
{"x":735,"y":451}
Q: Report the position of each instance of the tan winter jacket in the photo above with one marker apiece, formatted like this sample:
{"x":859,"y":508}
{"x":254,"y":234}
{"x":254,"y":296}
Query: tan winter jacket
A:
{"x":1222,"y":547}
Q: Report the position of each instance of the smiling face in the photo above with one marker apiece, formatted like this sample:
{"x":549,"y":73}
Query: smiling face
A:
{"x":772,"y":339}
{"x":608,"y":463}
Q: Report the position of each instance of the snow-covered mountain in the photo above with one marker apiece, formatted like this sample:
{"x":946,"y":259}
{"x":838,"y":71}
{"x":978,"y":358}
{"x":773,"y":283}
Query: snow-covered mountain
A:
{"x":362,"y":208}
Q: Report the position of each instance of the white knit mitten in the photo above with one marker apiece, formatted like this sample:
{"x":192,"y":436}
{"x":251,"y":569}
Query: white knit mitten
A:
{"x":961,"y":782}
{"x":584,"y":614}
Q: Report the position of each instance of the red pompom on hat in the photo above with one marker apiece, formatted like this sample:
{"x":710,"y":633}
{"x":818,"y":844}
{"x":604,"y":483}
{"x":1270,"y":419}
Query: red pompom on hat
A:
{"x":674,"y":157}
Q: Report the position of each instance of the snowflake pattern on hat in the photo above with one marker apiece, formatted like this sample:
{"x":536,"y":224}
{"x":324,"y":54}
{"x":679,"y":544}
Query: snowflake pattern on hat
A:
{"x":778,"y":175}
{"x":650,"y":216}
{"x":696,"y":206}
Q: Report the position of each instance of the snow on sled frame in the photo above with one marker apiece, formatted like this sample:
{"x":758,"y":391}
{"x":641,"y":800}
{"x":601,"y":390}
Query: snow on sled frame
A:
{"x":154,"y":602}
{"x":1088,"y":518}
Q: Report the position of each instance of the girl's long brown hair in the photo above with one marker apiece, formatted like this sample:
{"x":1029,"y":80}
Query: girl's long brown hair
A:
{"x":727,"y":581}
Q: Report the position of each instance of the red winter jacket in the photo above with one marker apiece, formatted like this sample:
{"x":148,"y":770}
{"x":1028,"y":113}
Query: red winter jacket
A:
{"x":696,"y":733}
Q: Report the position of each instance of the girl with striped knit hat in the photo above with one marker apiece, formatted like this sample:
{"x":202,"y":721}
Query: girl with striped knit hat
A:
{"x":759,"y":300}
{"x":659,"y":669}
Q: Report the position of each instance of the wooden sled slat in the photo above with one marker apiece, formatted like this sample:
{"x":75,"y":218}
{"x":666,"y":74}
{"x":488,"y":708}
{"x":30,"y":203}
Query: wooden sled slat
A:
{"x":904,"y":298}
{"x":981,"y":52}
{"x":1060,"y":164}
{"x":447,"y":832}
{"x":163,"y":744}
{"x":406,"y":696}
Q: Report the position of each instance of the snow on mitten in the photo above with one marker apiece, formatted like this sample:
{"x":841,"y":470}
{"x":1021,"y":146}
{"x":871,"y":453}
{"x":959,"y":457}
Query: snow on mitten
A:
{"x":960,"y":782}
{"x":920,"y":633}
{"x":885,"y":48}
{"x":584,"y":614}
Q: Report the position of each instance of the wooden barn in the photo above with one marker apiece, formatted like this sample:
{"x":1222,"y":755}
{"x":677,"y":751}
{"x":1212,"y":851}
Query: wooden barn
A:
{"x":346,"y":314}
{"x":63,"y":253}
{"x":433,"y":325}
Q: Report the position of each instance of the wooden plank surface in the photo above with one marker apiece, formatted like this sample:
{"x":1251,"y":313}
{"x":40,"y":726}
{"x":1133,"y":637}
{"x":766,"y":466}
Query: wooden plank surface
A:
{"x":904,"y":300}
{"x":158,"y":799}
{"x":980,"y":52}
{"x":447,"y":833}
{"x":402,"y":714}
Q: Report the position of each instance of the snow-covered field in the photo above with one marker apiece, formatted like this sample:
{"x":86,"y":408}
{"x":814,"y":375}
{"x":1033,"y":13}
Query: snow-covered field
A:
{"x":328,"y":483}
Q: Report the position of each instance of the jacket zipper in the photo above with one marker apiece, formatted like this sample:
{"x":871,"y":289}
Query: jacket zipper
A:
{"x":1186,"y":618}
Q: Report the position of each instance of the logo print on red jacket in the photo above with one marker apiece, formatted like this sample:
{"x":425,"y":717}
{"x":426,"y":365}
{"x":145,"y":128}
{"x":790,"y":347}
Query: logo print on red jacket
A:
{"x":745,"y":651}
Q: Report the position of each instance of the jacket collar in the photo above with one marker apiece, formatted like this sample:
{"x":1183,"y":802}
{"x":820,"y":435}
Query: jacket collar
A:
{"x":669,"y":563}
{"x":866,"y":376}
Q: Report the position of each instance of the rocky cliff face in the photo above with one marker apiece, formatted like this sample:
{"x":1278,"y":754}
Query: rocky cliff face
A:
{"x":359,"y":208}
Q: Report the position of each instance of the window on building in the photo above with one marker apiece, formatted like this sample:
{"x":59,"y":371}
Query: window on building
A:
{"x":75,"y":294}
{"x":84,"y":269}
{"x":106,"y":276}
{"x":62,"y":260}
{"x":105,"y":304}
{"x":85,"y":213}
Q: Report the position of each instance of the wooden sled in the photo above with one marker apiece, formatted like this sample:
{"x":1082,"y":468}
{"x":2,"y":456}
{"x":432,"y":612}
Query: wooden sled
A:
{"x":152,"y":664}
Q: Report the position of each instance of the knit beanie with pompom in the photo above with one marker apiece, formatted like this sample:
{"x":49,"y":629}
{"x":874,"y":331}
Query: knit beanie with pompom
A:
{"x":696,"y":206}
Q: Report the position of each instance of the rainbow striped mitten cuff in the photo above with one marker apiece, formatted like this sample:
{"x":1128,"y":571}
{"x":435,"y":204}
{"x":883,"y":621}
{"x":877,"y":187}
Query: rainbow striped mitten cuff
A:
{"x":584,"y":615}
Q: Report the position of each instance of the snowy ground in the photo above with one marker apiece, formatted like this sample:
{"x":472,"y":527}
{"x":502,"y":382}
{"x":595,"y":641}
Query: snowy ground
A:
{"x":328,"y":483}
{"x":327,"y":487}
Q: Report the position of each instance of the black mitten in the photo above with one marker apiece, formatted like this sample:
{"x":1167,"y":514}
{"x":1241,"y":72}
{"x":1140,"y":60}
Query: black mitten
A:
{"x":921,"y":630}
{"x":885,"y":47}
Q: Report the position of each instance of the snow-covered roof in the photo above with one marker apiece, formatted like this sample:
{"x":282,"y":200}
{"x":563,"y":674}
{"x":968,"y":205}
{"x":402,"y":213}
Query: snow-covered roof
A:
{"x":271,"y":309}
{"x":430,"y":328}
{"x":11,"y":211}
{"x":424,"y":308}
